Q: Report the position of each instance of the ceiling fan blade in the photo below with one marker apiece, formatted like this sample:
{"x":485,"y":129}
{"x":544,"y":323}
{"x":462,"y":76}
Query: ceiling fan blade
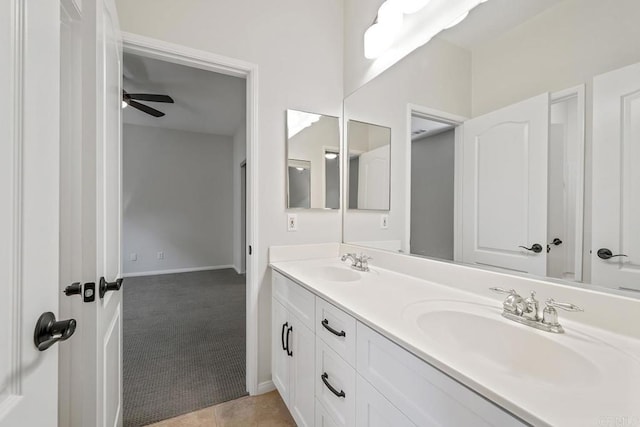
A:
{"x":145,"y":108}
{"x":151,"y":97}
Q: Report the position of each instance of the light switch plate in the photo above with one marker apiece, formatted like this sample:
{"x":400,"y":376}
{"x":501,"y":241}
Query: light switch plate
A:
{"x":160,"y":255}
{"x":292,"y":222}
{"x":133,"y":256}
{"x":384,"y":222}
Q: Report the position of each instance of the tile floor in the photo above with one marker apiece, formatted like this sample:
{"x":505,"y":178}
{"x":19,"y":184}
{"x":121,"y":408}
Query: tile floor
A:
{"x":266,"y":410}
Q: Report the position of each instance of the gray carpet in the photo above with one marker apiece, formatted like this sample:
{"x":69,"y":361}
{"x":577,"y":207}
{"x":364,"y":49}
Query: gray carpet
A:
{"x":184,"y":343}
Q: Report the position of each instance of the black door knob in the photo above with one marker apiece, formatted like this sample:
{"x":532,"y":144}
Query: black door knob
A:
{"x":49,"y":331}
{"x":108,"y":286}
{"x":537,"y":248}
{"x":605,"y":253}
{"x":73,"y":289}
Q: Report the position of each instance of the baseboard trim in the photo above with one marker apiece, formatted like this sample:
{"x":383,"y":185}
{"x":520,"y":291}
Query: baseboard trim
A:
{"x":177,"y":270}
{"x":265,"y":387}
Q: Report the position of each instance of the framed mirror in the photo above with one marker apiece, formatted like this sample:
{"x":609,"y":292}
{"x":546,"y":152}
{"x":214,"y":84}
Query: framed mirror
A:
{"x":313,"y":161}
{"x":514,"y":144}
{"x":369,"y":166}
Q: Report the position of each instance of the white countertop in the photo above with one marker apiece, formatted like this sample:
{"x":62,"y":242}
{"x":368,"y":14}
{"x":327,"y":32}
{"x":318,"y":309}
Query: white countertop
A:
{"x":609,"y":394}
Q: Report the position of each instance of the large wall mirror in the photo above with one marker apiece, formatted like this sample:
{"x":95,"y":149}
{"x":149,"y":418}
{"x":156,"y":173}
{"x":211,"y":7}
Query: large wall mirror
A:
{"x":515,"y":140}
{"x":313,"y":161}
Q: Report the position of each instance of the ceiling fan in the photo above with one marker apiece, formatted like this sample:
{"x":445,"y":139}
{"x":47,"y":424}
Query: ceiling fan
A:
{"x":130,"y":99}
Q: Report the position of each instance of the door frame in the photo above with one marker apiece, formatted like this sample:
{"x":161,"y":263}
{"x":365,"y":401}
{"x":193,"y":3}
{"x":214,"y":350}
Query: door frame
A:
{"x":456,"y":121}
{"x":583,"y":257}
{"x":178,"y":54}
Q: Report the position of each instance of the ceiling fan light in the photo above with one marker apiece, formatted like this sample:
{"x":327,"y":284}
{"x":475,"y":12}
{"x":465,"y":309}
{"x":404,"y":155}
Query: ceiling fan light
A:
{"x":412,"y":6}
{"x":458,"y":20}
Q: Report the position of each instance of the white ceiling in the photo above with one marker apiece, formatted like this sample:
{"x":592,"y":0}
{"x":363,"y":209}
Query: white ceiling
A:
{"x":205,"y":101}
{"x":492,"y":19}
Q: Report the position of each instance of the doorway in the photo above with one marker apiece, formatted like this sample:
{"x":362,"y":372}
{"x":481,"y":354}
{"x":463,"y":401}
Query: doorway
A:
{"x":200,"y":300}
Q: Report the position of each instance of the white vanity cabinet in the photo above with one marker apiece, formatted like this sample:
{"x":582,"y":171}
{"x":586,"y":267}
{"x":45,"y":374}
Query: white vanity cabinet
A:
{"x":293,"y":348}
{"x":342,"y":373}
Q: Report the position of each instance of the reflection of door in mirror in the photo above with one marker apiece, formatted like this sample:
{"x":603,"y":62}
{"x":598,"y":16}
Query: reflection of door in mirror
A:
{"x":616,"y":179}
{"x":522,"y":188}
{"x":369,"y":165}
{"x":432,"y":188}
{"x":299,"y":174}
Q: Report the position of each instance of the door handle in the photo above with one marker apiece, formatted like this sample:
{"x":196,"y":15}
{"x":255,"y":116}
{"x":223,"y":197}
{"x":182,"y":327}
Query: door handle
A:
{"x":284,"y":326}
{"x":73,"y":289}
{"x":325,"y":324}
{"x":605,"y":253}
{"x":536,"y":247}
{"x":49,"y":331}
{"x":332,"y":389}
{"x":105,"y":286}
{"x":289,"y":352}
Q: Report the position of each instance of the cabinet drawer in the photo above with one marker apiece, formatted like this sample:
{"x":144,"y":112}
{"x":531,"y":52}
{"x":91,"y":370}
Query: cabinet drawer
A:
{"x":297,"y":300}
{"x":339,"y":375}
{"x":337,"y":329}
{"x":424,"y":394}
{"x":323,"y":419}
{"x":373,"y":409}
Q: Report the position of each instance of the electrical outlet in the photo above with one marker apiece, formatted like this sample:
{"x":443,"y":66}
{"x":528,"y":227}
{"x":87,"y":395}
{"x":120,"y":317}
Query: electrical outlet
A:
{"x":160,"y":255}
{"x":384,"y":222}
{"x":133,"y":256}
{"x":292,"y":222}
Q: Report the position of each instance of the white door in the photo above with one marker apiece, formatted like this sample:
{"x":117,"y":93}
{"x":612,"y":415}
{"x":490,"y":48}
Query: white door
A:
{"x":504,"y":182}
{"x":616,"y":178}
{"x":373,"y":178}
{"x":29,"y":229}
{"x":102,"y":320}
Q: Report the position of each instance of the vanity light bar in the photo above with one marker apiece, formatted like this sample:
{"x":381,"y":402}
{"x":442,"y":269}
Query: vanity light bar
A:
{"x":381,"y":35}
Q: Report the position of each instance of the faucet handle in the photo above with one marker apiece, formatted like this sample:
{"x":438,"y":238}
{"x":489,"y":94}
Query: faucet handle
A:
{"x":563,"y":305}
{"x":504,"y":291}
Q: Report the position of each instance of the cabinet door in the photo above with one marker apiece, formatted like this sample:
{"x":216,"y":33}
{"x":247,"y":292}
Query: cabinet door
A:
{"x":373,"y":410}
{"x":301,"y":391}
{"x":279,"y":358}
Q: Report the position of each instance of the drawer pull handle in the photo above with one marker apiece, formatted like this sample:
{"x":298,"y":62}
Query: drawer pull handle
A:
{"x":325,"y":323}
{"x":289,"y":352}
{"x":284,"y":326}
{"x":325,"y":380}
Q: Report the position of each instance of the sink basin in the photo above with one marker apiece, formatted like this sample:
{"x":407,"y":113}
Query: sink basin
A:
{"x":478,"y":335}
{"x":336,"y":274}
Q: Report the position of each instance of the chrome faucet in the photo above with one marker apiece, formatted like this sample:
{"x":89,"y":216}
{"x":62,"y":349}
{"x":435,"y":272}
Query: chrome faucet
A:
{"x":359,"y":262}
{"x":526,"y":311}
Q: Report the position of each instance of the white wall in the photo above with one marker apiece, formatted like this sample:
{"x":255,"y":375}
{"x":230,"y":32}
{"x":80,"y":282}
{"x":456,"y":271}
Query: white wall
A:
{"x":297,"y":46}
{"x":177,"y":198}
{"x":432,"y":191}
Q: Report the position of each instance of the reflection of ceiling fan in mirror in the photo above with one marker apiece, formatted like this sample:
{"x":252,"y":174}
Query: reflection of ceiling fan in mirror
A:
{"x":130,"y":99}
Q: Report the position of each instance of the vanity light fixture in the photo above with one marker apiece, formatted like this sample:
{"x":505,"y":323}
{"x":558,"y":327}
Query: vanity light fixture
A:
{"x":330,"y":156}
{"x":383,"y":33}
{"x":412,"y":6}
{"x":458,"y":20}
